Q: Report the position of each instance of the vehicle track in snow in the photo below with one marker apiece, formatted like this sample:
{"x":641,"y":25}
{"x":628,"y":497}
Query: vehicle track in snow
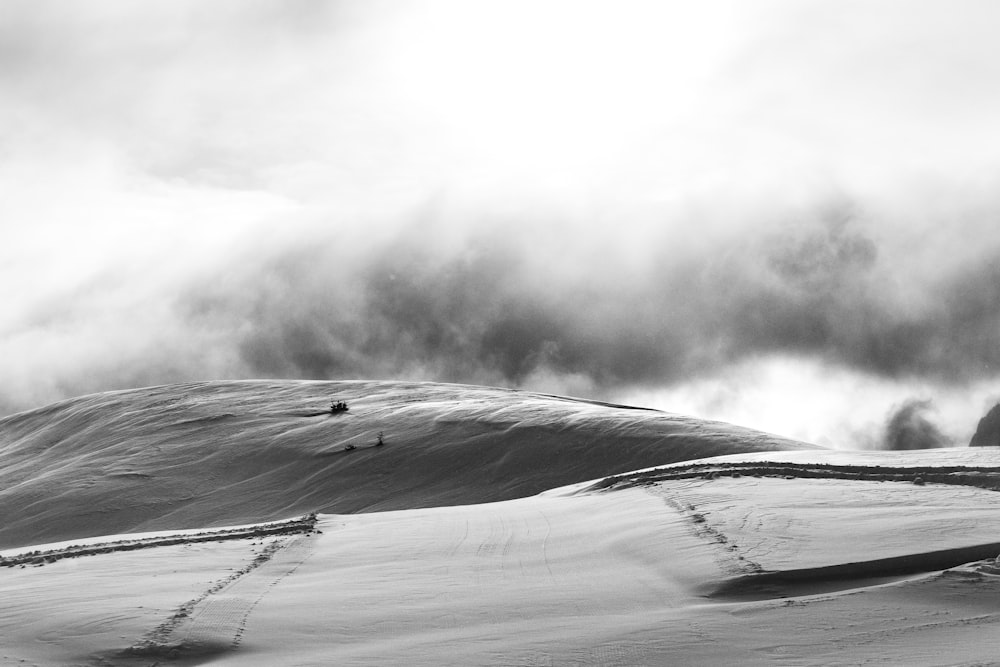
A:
{"x":223,"y":616}
{"x":749,"y":581}
{"x":975,"y":476}
{"x":214,"y":622}
{"x":41,"y":557}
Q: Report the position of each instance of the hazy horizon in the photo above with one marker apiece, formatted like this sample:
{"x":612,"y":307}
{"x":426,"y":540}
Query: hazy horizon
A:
{"x":779,"y":214}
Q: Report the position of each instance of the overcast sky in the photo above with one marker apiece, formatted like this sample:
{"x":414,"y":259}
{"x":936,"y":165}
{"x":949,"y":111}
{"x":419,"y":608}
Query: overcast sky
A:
{"x":781,"y":213}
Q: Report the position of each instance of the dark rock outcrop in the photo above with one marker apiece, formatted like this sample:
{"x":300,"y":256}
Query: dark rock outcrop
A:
{"x":988,"y":432}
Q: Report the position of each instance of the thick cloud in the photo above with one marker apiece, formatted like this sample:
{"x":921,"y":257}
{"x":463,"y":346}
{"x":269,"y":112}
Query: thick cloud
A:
{"x":488,"y":303}
{"x":637,"y":197}
{"x":909,"y":428}
{"x":485,"y":306}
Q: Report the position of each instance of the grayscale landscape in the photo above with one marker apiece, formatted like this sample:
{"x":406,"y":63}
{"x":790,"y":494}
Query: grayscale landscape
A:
{"x":229,"y":523}
{"x":515,"y":333}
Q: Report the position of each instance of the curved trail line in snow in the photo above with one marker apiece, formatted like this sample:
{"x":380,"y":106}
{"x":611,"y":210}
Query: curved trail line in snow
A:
{"x":753,"y":583}
{"x":222,"y":618}
{"x":214,"y":622}
{"x":976,"y":476}
{"x":303,"y":525}
{"x":728,"y":556}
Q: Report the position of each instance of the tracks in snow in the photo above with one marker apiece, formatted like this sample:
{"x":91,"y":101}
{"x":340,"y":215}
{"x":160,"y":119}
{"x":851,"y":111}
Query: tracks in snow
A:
{"x":224,"y":615}
{"x":303,"y":525}
{"x":977,"y":476}
{"x":752,"y":582}
{"x":728,"y":554}
{"x":215,"y":621}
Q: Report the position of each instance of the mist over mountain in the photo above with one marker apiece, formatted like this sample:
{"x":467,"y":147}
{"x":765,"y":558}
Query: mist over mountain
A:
{"x":681,"y":205}
{"x":220,"y":221}
{"x":485,"y":305}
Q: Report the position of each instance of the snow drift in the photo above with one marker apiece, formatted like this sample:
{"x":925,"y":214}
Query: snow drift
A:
{"x":195,"y":455}
{"x":666,"y":540}
{"x":753,"y":560}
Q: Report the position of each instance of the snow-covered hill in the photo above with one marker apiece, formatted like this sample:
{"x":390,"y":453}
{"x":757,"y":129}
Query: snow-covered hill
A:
{"x":195,"y":455}
{"x":761,"y":561}
{"x":657,"y":539}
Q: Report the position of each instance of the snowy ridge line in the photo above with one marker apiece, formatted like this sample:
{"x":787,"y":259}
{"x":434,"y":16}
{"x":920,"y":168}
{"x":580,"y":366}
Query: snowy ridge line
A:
{"x":304,"y":524}
{"x":774,"y":584}
{"x":978,"y":476}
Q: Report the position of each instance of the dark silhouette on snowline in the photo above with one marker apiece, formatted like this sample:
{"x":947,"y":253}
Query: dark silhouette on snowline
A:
{"x":988,"y":430}
{"x":338,"y":406}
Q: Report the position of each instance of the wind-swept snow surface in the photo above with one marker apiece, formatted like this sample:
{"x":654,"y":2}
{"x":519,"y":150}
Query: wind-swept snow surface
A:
{"x":754,"y":557}
{"x":189,"y":456}
{"x":826,"y":571}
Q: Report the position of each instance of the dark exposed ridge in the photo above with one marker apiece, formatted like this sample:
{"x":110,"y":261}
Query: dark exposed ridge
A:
{"x":988,"y":430}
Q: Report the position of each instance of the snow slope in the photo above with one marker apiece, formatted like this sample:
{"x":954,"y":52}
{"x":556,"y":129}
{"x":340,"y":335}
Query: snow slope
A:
{"x":195,"y":455}
{"x":624,"y":575}
{"x":808,"y":557}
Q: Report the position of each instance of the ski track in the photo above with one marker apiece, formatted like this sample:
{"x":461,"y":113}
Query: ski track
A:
{"x":748,"y":580}
{"x":222,"y":617}
{"x":730,"y":557}
{"x":219,"y":616}
{"x":545,"y":542}
{"x":739,"y":560}
{"x":216,"y":620}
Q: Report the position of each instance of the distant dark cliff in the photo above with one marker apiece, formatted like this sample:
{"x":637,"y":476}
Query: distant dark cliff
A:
{"x":988,"y":431}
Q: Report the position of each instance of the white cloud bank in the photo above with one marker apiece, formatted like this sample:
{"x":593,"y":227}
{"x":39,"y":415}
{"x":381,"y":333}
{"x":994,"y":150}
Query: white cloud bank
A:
{"x":778,"y":213}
